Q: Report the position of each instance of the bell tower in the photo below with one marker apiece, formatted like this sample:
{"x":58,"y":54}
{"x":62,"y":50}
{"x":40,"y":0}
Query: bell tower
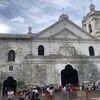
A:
{"x":91,"y":22}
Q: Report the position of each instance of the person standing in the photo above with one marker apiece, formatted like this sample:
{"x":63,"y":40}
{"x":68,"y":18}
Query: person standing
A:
{"x":50,"y":90}
{"x":35,"y":94}
{"x":21,"y":95}
{"x":10,"y":94}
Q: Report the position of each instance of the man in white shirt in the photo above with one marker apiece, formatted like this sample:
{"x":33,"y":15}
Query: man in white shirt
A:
{"x":10,"y":94}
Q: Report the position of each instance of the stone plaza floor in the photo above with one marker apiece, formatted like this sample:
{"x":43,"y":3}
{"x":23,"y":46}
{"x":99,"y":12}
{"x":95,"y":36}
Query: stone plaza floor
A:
{"x":81,"y":95}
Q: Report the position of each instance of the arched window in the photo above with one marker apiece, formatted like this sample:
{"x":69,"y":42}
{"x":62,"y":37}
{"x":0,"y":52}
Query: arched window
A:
{"x":11,"y":55}
{"x":40,"y":50}
{"x":91,"y":51}
{"x":90,"y":28}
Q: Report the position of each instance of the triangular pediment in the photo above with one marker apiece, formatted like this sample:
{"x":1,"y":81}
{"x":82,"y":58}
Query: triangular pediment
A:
{"x":65,"y":28}
{"x":66,"y":33}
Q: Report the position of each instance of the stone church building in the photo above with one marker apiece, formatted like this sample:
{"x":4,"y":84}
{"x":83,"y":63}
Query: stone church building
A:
{"x":39,"y":58}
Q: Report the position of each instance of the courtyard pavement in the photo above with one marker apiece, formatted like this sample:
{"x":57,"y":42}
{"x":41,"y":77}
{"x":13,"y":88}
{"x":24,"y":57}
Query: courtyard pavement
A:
{"x":82,"y":95}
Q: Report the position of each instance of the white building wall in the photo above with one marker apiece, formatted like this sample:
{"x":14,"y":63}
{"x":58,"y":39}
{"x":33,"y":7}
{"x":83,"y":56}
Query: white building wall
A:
{"x":53,"y":47}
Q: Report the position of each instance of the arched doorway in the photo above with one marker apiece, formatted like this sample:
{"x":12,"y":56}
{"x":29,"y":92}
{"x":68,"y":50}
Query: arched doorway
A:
{"x":9,"y":83}
{"x":69,"y":75}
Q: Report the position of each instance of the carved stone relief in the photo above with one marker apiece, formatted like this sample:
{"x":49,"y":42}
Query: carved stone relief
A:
{"x":67,"y":50}
{"x":41,"y":73}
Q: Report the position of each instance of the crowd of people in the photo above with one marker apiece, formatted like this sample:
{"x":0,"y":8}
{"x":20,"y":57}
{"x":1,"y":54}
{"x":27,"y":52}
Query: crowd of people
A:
{"x":36,"y":92}
{"x":31,"y":93}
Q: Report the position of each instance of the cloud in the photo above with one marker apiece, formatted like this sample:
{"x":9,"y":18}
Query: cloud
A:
{"x":57,"y":3}
{"x":4,"y":3}
{"x":39,"y":14}
{"x":4,"y":28}
{"x":18,"y":19}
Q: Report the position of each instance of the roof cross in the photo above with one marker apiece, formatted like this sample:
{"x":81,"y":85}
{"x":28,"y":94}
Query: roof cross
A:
{"x":91,"y":1}
{"x":63,"y":10}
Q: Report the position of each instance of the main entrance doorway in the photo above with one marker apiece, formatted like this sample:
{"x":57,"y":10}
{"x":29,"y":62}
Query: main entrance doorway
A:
{"x":9,"y":84}
{"x":69,"y":75}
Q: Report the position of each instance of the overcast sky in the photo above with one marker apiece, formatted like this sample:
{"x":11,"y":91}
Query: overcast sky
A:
{"x":17,"y":15}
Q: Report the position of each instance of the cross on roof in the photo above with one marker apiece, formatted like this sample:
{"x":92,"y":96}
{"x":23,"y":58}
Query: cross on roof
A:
{"x":91,"y":1}
{"x":63,"y":10}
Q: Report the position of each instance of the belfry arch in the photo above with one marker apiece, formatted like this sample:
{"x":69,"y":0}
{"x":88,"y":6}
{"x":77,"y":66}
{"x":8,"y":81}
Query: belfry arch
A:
{"x":69,"y":75}
{"x":9,"y":83}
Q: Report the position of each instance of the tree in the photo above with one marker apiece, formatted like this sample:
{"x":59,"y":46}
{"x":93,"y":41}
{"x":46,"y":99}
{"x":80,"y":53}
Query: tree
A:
{"x":20,"y":84}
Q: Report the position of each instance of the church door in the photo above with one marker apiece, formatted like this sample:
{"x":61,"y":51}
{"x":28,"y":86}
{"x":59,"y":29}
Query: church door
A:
{"x":9,"y":84}
{"x":69,"y":75}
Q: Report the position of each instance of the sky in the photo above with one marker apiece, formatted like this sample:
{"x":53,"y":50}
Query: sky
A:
{"x":17,"y":15}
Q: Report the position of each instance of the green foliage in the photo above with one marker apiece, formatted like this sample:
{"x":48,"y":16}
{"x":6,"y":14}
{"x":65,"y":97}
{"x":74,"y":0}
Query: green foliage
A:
{"x":20,"y":84}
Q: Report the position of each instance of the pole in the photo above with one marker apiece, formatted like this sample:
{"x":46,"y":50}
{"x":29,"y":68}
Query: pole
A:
{"x":86,"y":95}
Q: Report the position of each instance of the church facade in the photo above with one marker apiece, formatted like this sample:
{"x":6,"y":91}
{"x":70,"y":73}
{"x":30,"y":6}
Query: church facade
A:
{"x":40,"y":58}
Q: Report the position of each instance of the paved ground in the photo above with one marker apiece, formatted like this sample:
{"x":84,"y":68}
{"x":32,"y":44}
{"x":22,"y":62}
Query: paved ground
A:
{"x":90,"y":95}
